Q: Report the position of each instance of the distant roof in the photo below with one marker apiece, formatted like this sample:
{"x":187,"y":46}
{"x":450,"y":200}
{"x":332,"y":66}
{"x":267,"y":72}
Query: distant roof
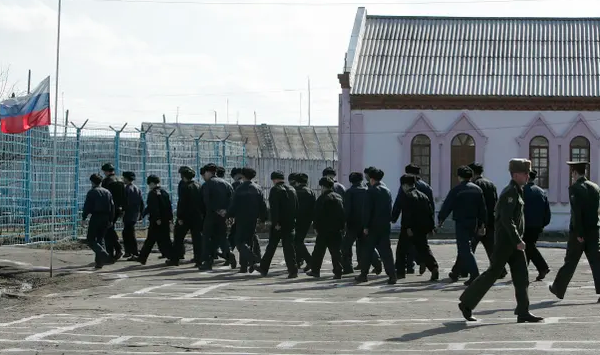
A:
{"x":462,"y":56}
{"x":287,"y":142}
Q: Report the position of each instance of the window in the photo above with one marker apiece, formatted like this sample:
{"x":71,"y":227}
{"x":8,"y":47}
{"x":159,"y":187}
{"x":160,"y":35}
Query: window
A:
{"x":462,"y":152}
{"x":420,"y":154}
{"x":579,"y":150}
{"x":539,"y":156}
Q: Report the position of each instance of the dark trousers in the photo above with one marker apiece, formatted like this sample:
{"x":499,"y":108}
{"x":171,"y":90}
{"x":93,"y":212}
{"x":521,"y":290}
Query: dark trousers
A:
{"x":531,"y":250}
{"x":256,"y":247}
{"x":488,"y":243}
{"x":214,"y":236}
{"x":504,"y":252}
{"x":465,"y":233}
{"x":157,"y":234}
{"x":302,"y":253}
{"x":244,"y":242}
{"x":421,"y":246}
{"x":379,"y":240}
{"x":231,"y":237}
{"x":412,"y":257}
{"x":356,"y":235}
{"x":95,"y":238}
{"x":287,"y":240}
{"x":327,"y":240}
{"x":112,"y":240}
{"x":574,"y":251}
{"x":180,"y":231}
{"x":129,"y":240}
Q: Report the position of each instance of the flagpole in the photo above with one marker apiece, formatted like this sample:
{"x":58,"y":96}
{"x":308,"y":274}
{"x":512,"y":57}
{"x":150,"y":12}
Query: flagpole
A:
{"x":54,"y":143}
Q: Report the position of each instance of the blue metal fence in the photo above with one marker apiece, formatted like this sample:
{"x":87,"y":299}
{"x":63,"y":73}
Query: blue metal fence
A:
{"x":26,"y":173}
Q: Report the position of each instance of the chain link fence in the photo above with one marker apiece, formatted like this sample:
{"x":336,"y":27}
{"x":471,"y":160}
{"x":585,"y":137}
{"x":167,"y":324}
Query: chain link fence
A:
{"x":27,"y":160}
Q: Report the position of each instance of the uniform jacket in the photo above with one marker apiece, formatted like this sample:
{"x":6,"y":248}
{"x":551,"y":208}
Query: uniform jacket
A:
{"x":377,"y":213}
{"x":117,"y":189}
{"x":416,"y":212}
{"x":339,"y":188}
{"x":421,"y":186}
{"x":329,"y":213}
{"x":134,"y":204}
{"x":490,"y":195}
{"x":190,"y":205}
{"x":98,"y":203}
{"x":467,"y":204}
{"x":306,"y":206}
{"x":354,"y":203}
{"x":217,"y":195}
{"x":283,"y":206}
{"x":236,"y":184}
{"x":584,"y":199}
{"x":537,"y":207}
{"x":510,"y":219}
{"x":248,"y":204}
{"x":158,"y":205}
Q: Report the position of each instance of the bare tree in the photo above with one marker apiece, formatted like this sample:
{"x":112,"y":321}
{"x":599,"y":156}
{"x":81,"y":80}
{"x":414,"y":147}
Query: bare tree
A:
{"x":7,"y":86}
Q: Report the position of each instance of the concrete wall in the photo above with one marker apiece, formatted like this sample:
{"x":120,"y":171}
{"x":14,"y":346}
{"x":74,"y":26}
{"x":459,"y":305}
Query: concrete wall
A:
{"x":382,"y":138}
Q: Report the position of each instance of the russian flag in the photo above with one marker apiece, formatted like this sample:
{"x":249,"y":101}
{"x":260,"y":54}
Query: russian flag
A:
{"x":20,"y":114}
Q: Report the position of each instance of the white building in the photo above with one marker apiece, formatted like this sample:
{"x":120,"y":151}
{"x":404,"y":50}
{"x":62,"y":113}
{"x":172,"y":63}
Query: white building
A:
{"x":444,"y":91}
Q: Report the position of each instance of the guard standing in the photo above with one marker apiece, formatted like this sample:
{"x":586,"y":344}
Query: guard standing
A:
{"x":417,"y":221}
{"x":467,"y":204}
{"x":160,"y":212}
{"x":304,"y":218}
{"x":329,"y":223}
{"x":99,"y":204}
{"x":583,"y":230}
{"x":283,"y":205}
{"x":134,"y":208}
{"x":190,"y":209}
{"x":247,"y":206}
{"x":377,"y":218}
{"x":117,"y":189}
{"x":337,"y":187}
{"x":354,"y":201}
{"x":537,"y":216}
{"x":236,"y":176}
{"x":509,"y":248}
{"x":217,"y":195}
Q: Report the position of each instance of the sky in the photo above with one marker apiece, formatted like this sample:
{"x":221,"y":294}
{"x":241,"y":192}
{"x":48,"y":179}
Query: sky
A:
{"x":131,"y":61}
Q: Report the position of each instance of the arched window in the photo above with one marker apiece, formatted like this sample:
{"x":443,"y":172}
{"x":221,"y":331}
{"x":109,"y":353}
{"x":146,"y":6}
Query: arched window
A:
{"x":579,"y":150}
{"x":462,"y":152}
{"x":540,"y":159}
{"x":420,"y":154}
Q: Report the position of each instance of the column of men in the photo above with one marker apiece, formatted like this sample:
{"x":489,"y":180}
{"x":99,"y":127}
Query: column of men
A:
{"x":508,"y":225}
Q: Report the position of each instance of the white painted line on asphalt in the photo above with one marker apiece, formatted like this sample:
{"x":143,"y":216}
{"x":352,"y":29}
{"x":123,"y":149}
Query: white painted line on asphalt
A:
{"x":150,"y":289}
{"x":370,"y":345}
{"x":544,"y":345}
{"x":119,"y":340}
{"x":40,"y":336}
{"x":202,"y":291}
{"x":287,"y":345}
{"x":456,"y":346}
{"x":23,"y":320}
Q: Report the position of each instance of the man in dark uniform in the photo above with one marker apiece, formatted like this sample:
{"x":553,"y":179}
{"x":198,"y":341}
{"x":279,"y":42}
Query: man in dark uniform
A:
{"x":337,"y":187}
{"x":117,"y":189}
{"x":329,"y":223}
{"x":160,"y":212}
{"x":583,"y":230}
{"x":377,"y":218}
{"x":537,"y":216}
{"x":424,"y":187}
{"x":134,"y":208}
{"x":417,"y":221}
{"x":99,"y":204}
{"x":221,"y":172}
{"x":509,"y":248}
{"x":236,"y":176}
{"x":354,"y":201}
{"x":180,"y":191}
{"x":466,"y":203}
{"x":283,"y":206}
{"x":304,"y":218}
{"x":217,"y":195}
{"x":247,"y":206}
{"x":490,"y":196}
{"x":190,"y":209}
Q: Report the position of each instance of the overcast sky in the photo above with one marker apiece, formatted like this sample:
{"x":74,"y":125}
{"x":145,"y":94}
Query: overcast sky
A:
{"x":123,"y":61}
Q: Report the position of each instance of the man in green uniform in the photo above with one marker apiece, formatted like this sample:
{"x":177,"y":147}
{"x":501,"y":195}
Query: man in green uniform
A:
{"x":583,"y":230}
{"x":509,"y":248}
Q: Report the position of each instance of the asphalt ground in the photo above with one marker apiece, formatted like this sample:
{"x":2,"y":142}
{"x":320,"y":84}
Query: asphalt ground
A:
{"x":154,"y":309}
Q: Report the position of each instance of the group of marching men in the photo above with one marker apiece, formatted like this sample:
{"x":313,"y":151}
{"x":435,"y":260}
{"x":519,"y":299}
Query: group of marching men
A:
{"x":363,"y":213}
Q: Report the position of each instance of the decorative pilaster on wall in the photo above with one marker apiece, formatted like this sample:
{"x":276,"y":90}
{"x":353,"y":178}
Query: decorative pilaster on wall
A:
{"x":539,"y":127}
{"x":345,"y":151}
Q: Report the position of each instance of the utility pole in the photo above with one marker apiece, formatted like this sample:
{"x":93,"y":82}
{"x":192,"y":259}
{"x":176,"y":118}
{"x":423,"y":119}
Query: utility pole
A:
{"x":309,"y":100}
{"x":300,"y":108}
{"x":227,"y":111}
{"x":177,"y":116}
{"x":237,"y":117}
{"x":255,"y":118}
{"x":215,"y":111}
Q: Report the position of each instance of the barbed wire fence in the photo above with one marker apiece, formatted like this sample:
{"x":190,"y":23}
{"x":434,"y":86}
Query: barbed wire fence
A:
{"x":26,"y":172}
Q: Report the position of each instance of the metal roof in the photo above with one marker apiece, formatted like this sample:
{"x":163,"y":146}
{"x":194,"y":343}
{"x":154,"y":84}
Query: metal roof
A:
{"x":269,"y":141}
{"x":454,"y":56}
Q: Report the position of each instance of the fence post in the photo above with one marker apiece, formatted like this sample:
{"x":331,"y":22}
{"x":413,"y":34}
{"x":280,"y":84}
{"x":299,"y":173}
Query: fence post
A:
{"x":169,"y":179}
{"x":28,"y":188}
{"x":75,"y":204}
{"x":144,"y":148}
{"x":224,"y":159}
{"x":117,"y":144}
{"x":197,"y":142}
